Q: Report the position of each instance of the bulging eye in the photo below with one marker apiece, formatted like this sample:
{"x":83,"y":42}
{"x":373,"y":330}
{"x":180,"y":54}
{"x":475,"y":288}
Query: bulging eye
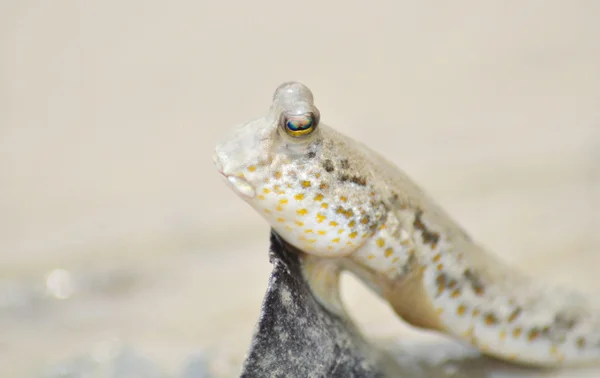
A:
{"x":299,"y":125}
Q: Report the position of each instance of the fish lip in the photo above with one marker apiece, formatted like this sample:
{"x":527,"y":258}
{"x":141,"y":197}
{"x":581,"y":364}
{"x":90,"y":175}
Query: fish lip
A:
{"x":219,"y":166}
{"x":238,"y":183}
{"x":241,"y":186}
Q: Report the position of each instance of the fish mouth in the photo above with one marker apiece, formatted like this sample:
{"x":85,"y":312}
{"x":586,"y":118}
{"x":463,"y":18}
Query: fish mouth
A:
{"x":242,"y":186}
{"x":236,"y":180}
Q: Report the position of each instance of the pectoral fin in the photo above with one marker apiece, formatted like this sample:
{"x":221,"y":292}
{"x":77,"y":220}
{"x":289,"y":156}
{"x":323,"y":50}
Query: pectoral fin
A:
{"x":323,"y":277}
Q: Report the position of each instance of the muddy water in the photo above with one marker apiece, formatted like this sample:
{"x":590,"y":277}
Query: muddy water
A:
{"x":117,"y":234}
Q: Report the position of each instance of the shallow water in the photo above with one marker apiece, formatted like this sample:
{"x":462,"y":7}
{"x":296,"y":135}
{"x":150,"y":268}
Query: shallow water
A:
{"x":120,"y":245}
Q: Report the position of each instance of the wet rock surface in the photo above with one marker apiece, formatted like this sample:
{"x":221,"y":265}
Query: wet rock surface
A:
{"x":297,"y":337}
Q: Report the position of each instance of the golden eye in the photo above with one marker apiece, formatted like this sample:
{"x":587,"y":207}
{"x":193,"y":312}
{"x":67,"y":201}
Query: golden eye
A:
{"x":299,"y":125}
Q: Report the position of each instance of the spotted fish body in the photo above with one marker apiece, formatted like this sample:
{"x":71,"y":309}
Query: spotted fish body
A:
{"x":348,"y":208}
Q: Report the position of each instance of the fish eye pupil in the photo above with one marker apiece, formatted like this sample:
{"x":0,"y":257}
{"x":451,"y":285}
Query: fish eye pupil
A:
{"x":299,"y":125}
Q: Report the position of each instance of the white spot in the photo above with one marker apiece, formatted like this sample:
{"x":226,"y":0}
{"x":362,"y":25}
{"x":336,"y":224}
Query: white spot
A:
{"x":286,"y":297}
{"x":59,"y":284}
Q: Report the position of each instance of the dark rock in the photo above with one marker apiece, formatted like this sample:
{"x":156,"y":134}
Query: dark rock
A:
{"x":297,"y":337}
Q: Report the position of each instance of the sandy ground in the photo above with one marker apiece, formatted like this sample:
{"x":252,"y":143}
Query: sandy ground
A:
{"x":109,"y":112}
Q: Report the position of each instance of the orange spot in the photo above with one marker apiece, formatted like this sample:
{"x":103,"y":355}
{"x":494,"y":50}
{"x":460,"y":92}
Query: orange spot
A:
{"x":321,"y":218}
{"x":513,"y":315}
{"x":517,"y":332}
{"x":324,"y":205}
{"x":344,"y":199}
{"x":340,"y":231}
{"x":581,"y":342}
{"x":305,"y":184}
{"x":437,"y":258}
{"x":261,"y":197}
{"x":395,"y":259}
{"x":252,"y":168}
{"x":283,"y":201}
{"x":405,"y":242}
{"x":365,"y":220}
{"x":352,"y":235}
{"x":439,"y":311}
{"x":461,"y":309}
{"x":380,"y":242}
{"x":266,"y":191}
{"x":455,"y":293}
{"x":319,"y":197}
{"x":476,"y":312}
{"x":382,"y":227}
{"x":352,"y":224}
{"x":440,"y":266}
{"x":302,"y":212}
{"x":308,"y":231}
{"x":502,"y":335}
{"x":468,"y":334}
{"x":333,"y":223}
{"x":280,"y":220}
{"x":299,"y":223}
{"x":317,"y":175}
{"x":321,"y":232}
{"x":533,"y":334}
{"x":267,"y":211}
{"x":370,"y":257}
{"x":323,"y":186}
{"x":388,"y":252}
{"x":336,"y":240}
{"x":277,"y":175}
{"x":279,"y":208}
{"x":490,"y":319}
{"x":299,"y":196}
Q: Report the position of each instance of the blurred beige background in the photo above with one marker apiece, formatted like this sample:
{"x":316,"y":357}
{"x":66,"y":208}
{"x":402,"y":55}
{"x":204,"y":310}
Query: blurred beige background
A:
{"x":109,"y":111}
